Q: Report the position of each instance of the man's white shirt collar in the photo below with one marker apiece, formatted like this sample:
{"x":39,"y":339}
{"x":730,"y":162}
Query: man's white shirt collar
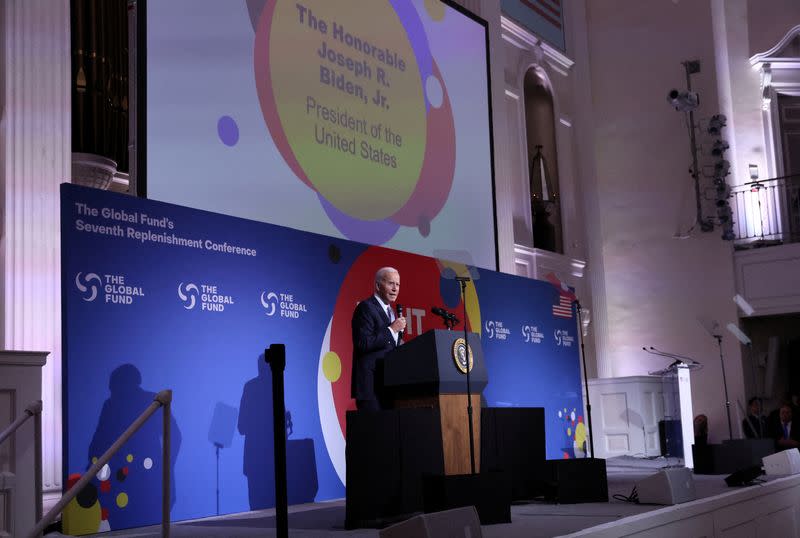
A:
{"x":384,"y":306}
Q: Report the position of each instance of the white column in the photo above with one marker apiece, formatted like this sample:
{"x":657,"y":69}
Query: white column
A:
{"x":598,"y":344}
{"x":34,"y":160}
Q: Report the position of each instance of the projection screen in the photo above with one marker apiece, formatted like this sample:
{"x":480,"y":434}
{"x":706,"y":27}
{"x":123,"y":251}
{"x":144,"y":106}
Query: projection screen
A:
{"x":367,"y":120}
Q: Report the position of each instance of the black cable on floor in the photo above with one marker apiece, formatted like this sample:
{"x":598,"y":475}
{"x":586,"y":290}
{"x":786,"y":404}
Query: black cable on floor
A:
{"x":632,"y":498}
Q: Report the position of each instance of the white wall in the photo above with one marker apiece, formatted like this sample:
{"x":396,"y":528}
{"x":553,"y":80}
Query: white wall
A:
{"x":656,"y":286}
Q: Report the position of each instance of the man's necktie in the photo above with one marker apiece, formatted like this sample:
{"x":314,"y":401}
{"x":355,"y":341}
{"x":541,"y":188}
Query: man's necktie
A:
{"x":390,"y":313}
{"x":785,"y":431}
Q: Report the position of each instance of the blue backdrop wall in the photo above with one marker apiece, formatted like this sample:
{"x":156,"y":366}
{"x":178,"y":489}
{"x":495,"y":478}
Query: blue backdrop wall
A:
{"x":159,"y":296}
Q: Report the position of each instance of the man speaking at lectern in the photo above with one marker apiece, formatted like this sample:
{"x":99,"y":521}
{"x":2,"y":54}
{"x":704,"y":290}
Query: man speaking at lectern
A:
{"x":376,"y":331}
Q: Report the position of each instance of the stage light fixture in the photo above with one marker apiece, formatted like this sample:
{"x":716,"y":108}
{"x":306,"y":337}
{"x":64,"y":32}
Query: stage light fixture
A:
{"x":742,"y":303}
{"x":722,"y":168}
{"x":725,"y":220}
{"x":683,"y":101}
{"x":719,"y":148}
{"x":716,"y":123}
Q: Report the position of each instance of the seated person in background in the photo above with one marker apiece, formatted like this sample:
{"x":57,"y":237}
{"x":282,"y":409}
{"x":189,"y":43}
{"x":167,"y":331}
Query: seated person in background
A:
{"x":701,"y":430}
{"x":754,"y":425}
{"x":785,"y":435}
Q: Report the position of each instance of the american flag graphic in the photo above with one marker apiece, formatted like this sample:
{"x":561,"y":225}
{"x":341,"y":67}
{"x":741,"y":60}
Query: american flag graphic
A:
{"x":563,"y":309}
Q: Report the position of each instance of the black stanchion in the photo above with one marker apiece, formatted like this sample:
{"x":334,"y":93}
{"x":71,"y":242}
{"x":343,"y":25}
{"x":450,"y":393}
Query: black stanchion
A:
{"x":586,"y":381}
{"x":463,"y":281}
{"x":275,"y":356}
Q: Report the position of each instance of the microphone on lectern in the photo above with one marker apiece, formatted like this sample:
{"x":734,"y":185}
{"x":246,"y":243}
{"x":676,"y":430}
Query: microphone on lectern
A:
{"x":399,"y":309}
{"x":444,"y":314}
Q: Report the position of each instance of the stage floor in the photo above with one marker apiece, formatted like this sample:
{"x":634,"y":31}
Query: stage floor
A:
{"x":529,"y":519}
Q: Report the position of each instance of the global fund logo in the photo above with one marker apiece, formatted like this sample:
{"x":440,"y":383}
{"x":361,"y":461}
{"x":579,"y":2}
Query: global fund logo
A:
{"x":206,"y":296}
{"x":496,"y":330}
{"x":115,"y":289}
{"x":563,"y":338}
{"x":283,"y":304}
{"x":88,"y":285}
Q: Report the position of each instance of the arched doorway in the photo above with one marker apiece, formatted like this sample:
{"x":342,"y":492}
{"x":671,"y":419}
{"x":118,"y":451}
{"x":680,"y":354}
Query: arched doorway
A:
{"x":542,"y":163}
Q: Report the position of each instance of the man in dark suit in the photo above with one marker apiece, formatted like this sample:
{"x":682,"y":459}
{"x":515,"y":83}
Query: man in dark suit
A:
{"x":376,"y":331}
{"x":783,"y":430}
{"x":754,"y":425}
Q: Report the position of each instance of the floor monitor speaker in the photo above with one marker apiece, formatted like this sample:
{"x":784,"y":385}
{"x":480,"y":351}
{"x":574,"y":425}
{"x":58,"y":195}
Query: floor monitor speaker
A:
{"x":783,"y":463}
{"x":667,"y":486}
{"x":456,"y":523}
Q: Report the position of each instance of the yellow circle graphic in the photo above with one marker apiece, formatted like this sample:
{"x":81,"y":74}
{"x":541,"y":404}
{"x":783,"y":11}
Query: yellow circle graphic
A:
{"x":580,"y":434}
{"x":351,"y":103}
{"x":129,"y":458}
{"x":76,"y":520}
{"x":122,"y":500}
{"x":331,"y":366}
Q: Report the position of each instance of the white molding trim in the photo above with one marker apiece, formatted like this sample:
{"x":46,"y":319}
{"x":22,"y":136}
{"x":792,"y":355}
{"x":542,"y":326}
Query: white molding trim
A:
{"x":540,"y":262}
{"x":771,"y":509}
{"x":779,"y":75}
{"x":767,"y":279}
{"x":522,"y":38}
{"x":23,"y":358}
{"x":772,"y":55}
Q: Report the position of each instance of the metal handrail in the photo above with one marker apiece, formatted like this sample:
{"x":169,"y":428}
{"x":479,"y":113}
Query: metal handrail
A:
{"x":767,"y":211}
{"x":162,"y":399}
{"x":33,"y":410}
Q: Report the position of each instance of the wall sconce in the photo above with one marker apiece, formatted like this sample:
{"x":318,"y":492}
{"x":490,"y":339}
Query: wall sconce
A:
{"x":753,"y":171}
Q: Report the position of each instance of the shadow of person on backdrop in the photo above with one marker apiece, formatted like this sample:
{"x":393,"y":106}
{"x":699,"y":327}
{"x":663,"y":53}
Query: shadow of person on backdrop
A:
{"x":256,"y":425}
{"x":130,"y":485}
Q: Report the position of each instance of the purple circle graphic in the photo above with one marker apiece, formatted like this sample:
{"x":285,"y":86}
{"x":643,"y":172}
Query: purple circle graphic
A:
{"x":417,"y":38}
{"x":228,"y":131}
{"x":374,"y":232}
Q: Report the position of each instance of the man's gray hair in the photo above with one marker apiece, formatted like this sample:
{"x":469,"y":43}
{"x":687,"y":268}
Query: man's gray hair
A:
{"x":382,"y":272}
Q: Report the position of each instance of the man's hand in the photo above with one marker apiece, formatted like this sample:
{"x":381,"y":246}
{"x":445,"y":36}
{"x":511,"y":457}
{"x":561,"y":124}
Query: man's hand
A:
{"x":398,"y":324}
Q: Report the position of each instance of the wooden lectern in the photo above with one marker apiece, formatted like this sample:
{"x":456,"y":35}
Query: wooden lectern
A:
{"x":424,"y":372}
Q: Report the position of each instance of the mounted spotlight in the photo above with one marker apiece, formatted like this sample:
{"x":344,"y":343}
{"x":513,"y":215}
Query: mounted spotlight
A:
{"x":719,"y":148}
{"x":716,"y":123}
{"x":722,"y":168}
{"x":724,"y":213}
{"x":727,"y":232}
{"x":685,"y":101}
{"x":725,"y":220}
